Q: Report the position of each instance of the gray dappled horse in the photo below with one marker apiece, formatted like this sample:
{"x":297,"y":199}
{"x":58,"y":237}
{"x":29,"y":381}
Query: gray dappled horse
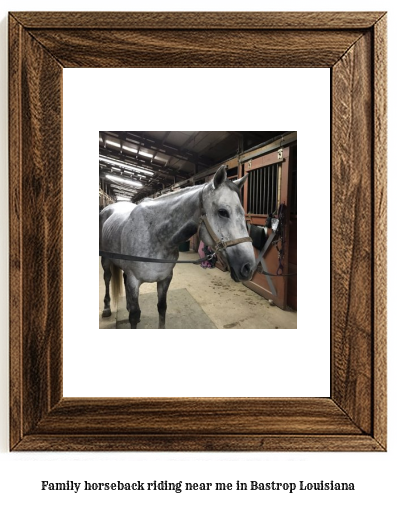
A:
{"x":155,"y":228}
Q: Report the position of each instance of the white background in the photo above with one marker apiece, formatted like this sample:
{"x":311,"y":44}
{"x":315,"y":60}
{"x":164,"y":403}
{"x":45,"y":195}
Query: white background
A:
{"x":236,"y":362}
{"x":20,"y":474}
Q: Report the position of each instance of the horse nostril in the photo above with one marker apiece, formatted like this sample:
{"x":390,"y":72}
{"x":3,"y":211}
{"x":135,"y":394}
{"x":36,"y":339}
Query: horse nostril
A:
{"x":246,"y":270}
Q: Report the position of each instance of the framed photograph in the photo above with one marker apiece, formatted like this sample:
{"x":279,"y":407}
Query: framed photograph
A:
{"x":353,"y":47}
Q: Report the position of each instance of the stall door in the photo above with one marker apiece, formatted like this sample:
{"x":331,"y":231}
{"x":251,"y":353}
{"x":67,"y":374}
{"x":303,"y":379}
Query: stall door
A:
{"x":268,"y":186}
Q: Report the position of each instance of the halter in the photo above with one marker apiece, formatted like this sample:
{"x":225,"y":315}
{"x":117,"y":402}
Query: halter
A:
{"x":220,"y":244}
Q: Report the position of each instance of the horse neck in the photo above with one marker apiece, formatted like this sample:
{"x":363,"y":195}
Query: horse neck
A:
{"x":183,"y":213}
{"x":187,"y":204}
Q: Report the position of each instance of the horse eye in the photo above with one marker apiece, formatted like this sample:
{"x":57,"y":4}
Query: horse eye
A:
{"x":223,"y":213}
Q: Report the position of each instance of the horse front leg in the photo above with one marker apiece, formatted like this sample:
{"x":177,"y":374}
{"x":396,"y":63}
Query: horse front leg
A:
{"x":107,"y":275}
{"x":132,"y":295}
{"x":162,"y":289}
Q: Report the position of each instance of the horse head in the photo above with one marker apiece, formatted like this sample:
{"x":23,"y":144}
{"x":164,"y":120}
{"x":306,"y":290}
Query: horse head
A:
{"x":225,"y":228}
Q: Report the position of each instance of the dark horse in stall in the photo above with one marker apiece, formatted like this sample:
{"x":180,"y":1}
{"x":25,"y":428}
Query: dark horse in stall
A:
{"x":155,"y":228}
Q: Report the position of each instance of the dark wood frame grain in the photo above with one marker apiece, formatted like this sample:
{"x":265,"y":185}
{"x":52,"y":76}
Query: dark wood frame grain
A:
{"x":353,"y":46}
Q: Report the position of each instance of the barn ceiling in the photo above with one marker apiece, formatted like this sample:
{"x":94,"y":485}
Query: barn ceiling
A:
{"x":137,"y":164}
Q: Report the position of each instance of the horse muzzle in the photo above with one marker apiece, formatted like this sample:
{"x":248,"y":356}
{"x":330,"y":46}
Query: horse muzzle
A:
{"x":243,"y":273}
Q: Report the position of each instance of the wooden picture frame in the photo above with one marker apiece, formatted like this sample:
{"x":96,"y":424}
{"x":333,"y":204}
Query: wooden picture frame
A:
{"x":353,"y":46}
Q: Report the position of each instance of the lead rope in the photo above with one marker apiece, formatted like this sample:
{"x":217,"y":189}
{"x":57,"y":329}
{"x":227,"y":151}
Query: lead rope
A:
{"x":220,"y":244}
{"x":124,"y":257}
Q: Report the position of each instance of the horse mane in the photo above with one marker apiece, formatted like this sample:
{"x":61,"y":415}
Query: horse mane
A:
{"x":181,"y":191}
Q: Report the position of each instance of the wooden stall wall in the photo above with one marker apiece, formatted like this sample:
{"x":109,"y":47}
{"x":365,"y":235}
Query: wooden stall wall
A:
{"x":270,"y":184}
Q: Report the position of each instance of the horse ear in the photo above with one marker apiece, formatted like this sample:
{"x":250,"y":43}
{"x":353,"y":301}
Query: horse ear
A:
{"x":241,"y":181}
{"x":220,"y":176}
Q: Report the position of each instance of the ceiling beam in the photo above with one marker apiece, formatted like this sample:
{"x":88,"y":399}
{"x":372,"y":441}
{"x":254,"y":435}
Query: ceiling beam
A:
{"x":166,"y":172}
{"x":164,"y":148}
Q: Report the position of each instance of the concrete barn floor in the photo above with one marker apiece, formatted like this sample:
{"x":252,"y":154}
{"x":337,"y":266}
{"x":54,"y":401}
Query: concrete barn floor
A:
{"x":200,"y":299}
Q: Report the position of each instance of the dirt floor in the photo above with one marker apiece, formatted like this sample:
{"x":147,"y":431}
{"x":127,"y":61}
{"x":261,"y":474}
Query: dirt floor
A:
{"x":200,"y":299}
